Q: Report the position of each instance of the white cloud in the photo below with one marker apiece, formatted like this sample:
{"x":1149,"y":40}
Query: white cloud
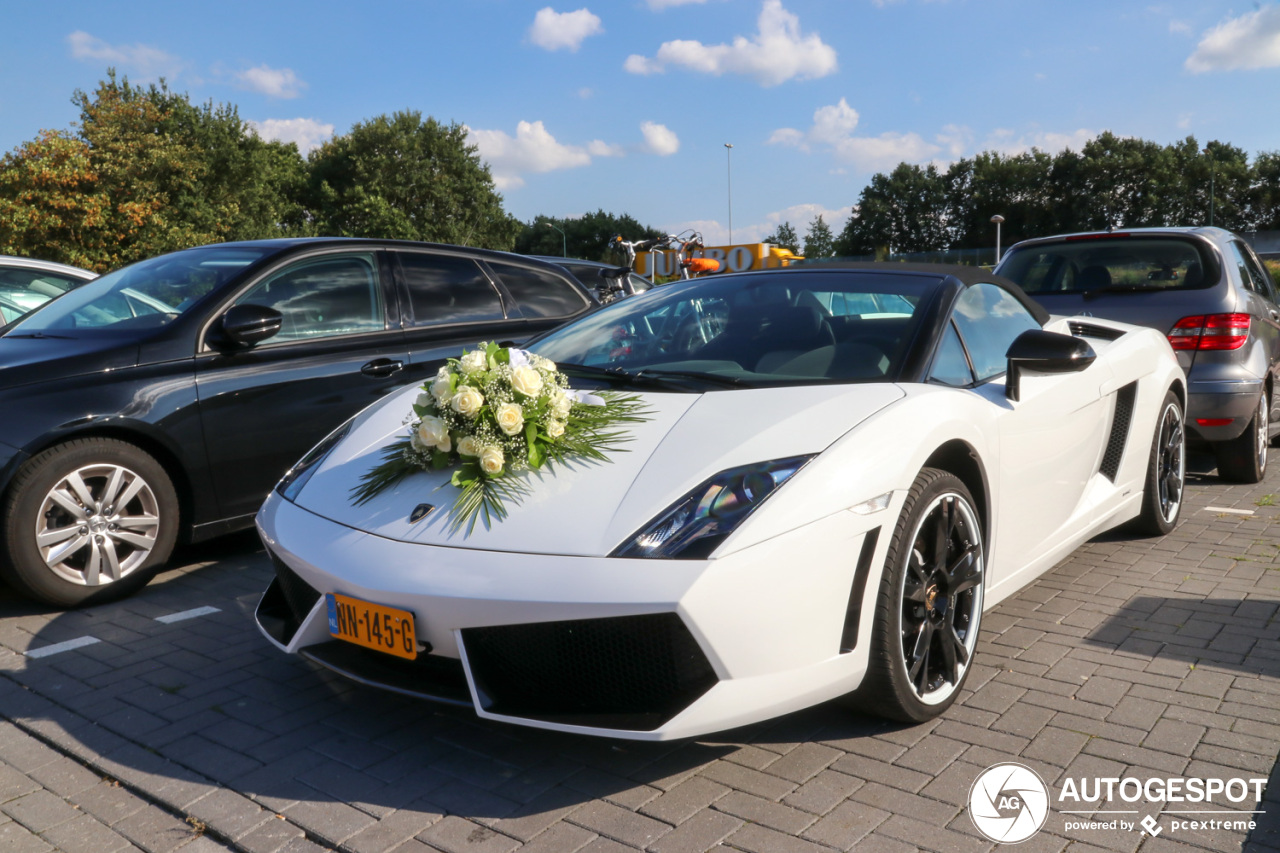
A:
{"x":1248,"y":42}
{"x":659,"y":5}
{"x":143,"y":60}
{"x":554,"y":30}
{"x":659,"y":139}
{"x":306,"y":132}
{"x":1179,"y":28}
{"x":833,"y":129}
{"x":532,"y":150}
{"x":778,"y":52}
{"x":272,"y":82}
{"x":1007,"y":142}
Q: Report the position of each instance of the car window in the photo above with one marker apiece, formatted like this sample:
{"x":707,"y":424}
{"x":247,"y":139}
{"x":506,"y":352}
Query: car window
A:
{"x":951,"y":365}
{"x":539,"y":293}
{"x":1118,"y":262}
{"x":1253,"y":276}
{"x":323,"y":297}
{"x":989,"y":318}
{"x":448,"y":289}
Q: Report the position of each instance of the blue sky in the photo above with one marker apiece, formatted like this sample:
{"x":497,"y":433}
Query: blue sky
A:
{"x":626,"y":106}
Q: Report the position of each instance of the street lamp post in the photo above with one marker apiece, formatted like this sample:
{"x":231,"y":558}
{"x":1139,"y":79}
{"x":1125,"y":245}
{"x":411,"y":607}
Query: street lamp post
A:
{"x":728,"y":153}
{"x":997,"y":219}
{"x":564,"y":241}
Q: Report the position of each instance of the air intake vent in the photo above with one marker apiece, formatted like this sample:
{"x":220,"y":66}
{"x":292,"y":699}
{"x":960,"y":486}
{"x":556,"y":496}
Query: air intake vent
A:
{"x":1119,"y":431}
{"x":627,"y":672}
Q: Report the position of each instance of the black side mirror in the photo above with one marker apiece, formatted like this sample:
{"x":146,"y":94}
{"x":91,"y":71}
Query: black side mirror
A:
{"x":1044,"y":352}
{"x":247,"y":325}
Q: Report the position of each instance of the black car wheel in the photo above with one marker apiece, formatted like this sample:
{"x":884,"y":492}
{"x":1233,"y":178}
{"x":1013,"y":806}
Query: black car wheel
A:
{"x":1244,"y":459}
{"x":1166,"y":471}
{"x":88,"y":521}
{"x":929,"y":605}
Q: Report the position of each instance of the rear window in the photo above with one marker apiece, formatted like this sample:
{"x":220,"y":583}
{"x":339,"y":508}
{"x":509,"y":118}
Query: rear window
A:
{"x":1118,"y":263}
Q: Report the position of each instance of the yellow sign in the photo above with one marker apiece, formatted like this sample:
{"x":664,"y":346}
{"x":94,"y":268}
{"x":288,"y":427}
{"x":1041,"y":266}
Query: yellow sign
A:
{"x":750,"y":256}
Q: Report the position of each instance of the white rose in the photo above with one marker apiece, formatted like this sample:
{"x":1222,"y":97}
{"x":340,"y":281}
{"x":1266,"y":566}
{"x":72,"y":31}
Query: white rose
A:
{"x":433,"y":432}
{"x":424,"y":401}
{"x":510,"y":418}
{"x":555,"y":429}
{"x":468,"y":445}
{"x":467,"y":401}
{"x":440,"y":390}
{"x":491,"y":460}
{"x":526,"y":380}
{"x":475,"y":361}
{"x":544,"y":363}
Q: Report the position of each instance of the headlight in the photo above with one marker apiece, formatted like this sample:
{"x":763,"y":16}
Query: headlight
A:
{"x":695,"y":525}
{"x":295,"y":478}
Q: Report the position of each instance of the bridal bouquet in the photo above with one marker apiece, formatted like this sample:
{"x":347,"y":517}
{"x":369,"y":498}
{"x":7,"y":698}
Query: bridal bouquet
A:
{"x":492,"y":414}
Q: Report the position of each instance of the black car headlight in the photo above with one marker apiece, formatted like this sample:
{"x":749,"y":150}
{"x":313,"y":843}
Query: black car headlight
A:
{"x":694,"y":526}
{"x":290,"y":485}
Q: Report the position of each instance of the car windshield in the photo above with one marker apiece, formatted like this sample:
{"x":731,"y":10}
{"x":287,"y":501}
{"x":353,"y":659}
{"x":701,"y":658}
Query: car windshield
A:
{"x":752,"y":330}
{"x":1116,"y":262}
{"x":146,"y":294}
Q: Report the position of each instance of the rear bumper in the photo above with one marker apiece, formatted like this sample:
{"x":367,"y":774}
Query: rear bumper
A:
{"x":1236,"y":399}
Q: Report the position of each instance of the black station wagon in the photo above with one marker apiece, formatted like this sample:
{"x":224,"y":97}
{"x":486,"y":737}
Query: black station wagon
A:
{"x":167,"y":398}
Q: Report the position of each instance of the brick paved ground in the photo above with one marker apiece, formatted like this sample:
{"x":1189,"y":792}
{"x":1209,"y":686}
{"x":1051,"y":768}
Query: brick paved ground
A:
{"x":1134,"y":657}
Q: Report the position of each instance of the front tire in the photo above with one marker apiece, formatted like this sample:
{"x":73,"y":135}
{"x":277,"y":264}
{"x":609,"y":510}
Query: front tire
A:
{"x":929,"y":605}
{"x":87,"y":521}
{"x":1244,"y":459}
{"x":1166,"y":471}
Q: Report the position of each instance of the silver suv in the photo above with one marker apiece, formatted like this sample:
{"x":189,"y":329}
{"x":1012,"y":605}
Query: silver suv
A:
{"x":1205,"y":289}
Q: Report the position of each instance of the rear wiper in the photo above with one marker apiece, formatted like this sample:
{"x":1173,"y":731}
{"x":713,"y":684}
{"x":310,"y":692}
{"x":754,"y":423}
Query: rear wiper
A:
{"x":1119,"y":288}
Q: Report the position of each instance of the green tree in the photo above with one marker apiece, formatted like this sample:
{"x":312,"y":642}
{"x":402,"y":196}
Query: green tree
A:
{"x":904,"y":211}
{"x":586,"y":236}
{"x":1264,"y":193}
{"x":784,"y":237}
{"x":49,"y":204}
{"x":818,"y":240}
{"x":401,"y":177}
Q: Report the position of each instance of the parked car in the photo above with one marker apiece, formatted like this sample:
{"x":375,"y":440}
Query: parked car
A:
{"x":167,"y":398}
{"x":26,"y":284}
{"x":1206,"y":290}
{"x":606,"y":281}
{"x":841,"y":469}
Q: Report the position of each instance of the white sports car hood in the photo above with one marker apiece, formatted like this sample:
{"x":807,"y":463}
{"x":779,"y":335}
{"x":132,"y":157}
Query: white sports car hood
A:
{"x":588,"y":509}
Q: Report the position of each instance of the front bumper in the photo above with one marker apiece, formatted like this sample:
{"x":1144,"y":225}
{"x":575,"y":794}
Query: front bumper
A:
{"x":641,"y":649}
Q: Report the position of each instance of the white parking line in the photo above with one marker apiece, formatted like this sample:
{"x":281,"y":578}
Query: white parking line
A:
{"x":66,"y":646}
{"x":1228,"y":509}
{"x":187,"y":614}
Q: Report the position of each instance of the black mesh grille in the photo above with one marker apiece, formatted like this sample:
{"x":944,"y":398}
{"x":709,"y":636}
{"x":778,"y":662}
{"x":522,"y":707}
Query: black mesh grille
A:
{"x":299,"y":595}
{"x":626,"y":672}
{"x":432,"y":677}
{"x":1119,"y":431}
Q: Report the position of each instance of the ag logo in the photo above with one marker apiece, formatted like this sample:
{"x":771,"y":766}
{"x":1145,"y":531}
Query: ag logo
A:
{"x":1008,"y":803}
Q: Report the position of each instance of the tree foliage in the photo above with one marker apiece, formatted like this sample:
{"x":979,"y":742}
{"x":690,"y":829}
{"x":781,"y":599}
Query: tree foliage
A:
{"x":818,"y":240}
{"x":400,"y":177}
{"x":586,"y":236}
{"x":1112,"y":181}
{"x":785,"y":237}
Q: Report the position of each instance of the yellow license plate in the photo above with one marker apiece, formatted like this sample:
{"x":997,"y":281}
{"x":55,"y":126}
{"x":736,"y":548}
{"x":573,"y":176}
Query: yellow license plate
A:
{"x":373,"y":626}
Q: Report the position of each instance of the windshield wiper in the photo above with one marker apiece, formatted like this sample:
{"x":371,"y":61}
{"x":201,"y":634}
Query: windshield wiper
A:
{"x":667,"y":380}
{"x":697,"y":376}
{"x":40,"y":335}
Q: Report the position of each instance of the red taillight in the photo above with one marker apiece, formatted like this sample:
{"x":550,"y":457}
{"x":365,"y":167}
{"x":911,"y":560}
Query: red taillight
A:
{"x":1210,"y":332}
{"x":1207,"y":422}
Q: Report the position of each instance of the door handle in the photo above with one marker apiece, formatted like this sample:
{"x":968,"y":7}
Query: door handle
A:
{"x":383,"y":367}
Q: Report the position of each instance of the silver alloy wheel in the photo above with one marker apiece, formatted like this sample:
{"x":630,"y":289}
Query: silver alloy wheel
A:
{"x":1263,"y":423}
{"x":1171,"y":462}
{"x":941,"y":598}
{"x":97,"y":524}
